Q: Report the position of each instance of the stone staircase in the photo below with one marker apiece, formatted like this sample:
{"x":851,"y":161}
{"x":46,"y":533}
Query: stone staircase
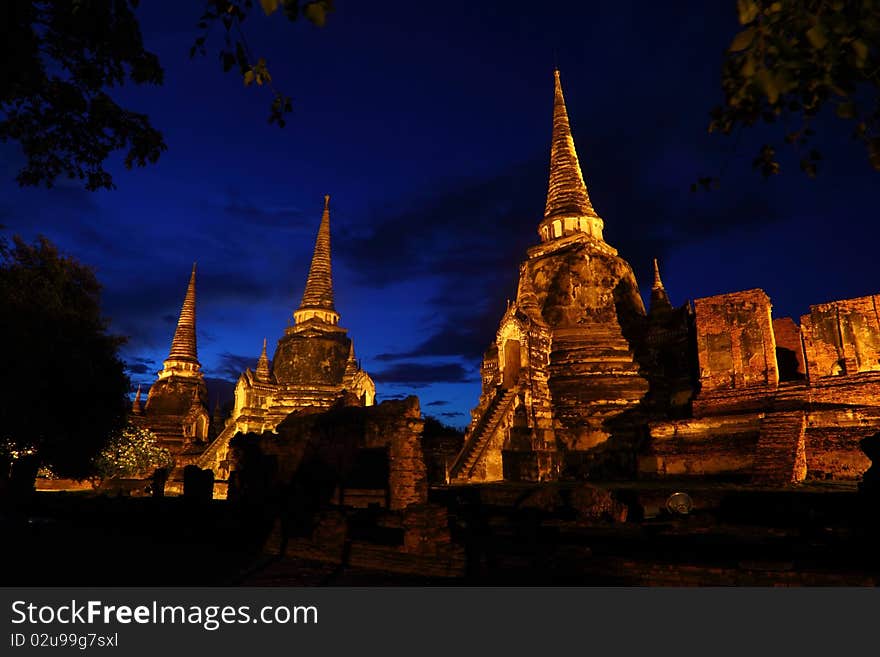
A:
{"x":216,"y":451}
{"x":476,"y":443}
{"x":791,"y":396}
{"x":780,"y":458}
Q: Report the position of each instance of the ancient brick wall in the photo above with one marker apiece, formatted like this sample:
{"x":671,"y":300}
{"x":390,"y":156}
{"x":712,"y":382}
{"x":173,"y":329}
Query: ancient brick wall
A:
{"x":832,"y":452}
{"x":333,"y":439}
{"x":702,"y":446}
{"x":735,"y":343}
{"x":842,"y":337}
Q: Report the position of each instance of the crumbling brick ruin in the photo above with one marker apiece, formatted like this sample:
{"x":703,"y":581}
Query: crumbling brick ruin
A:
{"x":353,"y":475}
{"x":777,"y":403}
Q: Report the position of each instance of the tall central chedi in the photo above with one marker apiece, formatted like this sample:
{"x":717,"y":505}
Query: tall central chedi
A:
{"x":561,"y":382}
{"x":314,"y":366}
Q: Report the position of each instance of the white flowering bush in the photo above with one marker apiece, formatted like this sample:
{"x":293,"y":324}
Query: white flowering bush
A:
{"x":133,"y":453}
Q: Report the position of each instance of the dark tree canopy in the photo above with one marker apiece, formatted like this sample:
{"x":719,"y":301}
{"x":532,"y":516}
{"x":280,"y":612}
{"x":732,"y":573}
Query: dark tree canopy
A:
{"x":61,"y":60}
{"x":58,"y":62}
{"x":64,"y":391}
{"x":792,"y":59}
{"x":236,"y":53}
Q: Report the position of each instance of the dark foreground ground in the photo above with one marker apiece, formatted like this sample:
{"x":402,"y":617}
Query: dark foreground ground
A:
{"x":822,"y":534}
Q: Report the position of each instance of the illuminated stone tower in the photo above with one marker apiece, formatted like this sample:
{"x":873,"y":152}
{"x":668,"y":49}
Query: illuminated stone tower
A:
{"x":561,"y":382}
{"x":313,"y":368}
{"x":176,"y":410}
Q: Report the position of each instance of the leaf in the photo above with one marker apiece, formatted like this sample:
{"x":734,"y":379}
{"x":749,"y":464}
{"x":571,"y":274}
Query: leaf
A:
{"x":748,"y":67}
{"x":743,"y":40}
{"x":846,"y":110}
{"x":808,"y":167}
{"x":817,"y":37}
{"x":747,"y":10}
{"x":769,"y":85}
{"x":766,"y":161}
{"x":861,"y":49}
{"x":874,"y":152}
{"x":270,"y":6}
{"x":248,"y":78}
{"x":316,"y":12}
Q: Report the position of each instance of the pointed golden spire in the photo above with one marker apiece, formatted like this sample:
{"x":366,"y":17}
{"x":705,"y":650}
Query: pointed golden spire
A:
{"x":568,"y":203}
{"x":351,"y":364}
{"x":183,"y":346}
{"x":136,"y":405}
{"x":659,"y":298}
{"x":317,"y":300}
{"x":262,"y":372}
{"x":567,"y":192}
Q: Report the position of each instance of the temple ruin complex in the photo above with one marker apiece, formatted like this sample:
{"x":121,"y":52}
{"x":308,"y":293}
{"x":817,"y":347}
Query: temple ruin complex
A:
{"x":580,"y":381}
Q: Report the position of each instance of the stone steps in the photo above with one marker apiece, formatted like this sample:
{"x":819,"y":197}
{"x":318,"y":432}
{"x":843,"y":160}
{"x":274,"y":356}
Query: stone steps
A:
{"x":791,"y":396}
{"x":779,"y":458}
{"x":215,"y":452}
{"x":470,"y":454}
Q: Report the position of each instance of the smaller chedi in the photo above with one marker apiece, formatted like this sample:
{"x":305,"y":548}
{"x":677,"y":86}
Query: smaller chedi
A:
{"x":314,"y":366}
{"x":176,"y":410}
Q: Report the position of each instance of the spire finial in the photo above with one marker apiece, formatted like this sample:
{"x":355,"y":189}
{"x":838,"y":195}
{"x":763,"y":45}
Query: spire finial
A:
{"x":317,"y":300}
{"x":136,"y":405}
{"x":262,"y":372}
{"x":657,"y":281}
{"x":351,"y":363}
{"x":659,"y":298}
{"x":183,"y":345}
{"x":568,"y":203}
{"x":567,"y":192}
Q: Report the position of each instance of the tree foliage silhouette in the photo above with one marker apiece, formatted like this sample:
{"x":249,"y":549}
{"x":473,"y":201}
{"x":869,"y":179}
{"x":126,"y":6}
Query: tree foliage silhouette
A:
{"x":64,"y":390}
{"x":60,"y":61}
{"x":792,"y":59}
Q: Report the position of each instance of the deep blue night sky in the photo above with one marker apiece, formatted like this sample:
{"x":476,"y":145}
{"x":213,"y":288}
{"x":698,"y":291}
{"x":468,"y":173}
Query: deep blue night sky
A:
{"x":429,"y":124}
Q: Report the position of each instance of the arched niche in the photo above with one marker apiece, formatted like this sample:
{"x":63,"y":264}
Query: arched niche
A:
{"x":512,"y":352}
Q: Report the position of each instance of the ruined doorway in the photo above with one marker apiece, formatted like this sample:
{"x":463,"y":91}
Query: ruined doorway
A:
{"x":788,"y":365}
{"x":511,"y":363}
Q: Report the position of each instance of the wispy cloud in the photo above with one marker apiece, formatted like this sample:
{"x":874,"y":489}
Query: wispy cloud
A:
{"x":417,"y":375}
